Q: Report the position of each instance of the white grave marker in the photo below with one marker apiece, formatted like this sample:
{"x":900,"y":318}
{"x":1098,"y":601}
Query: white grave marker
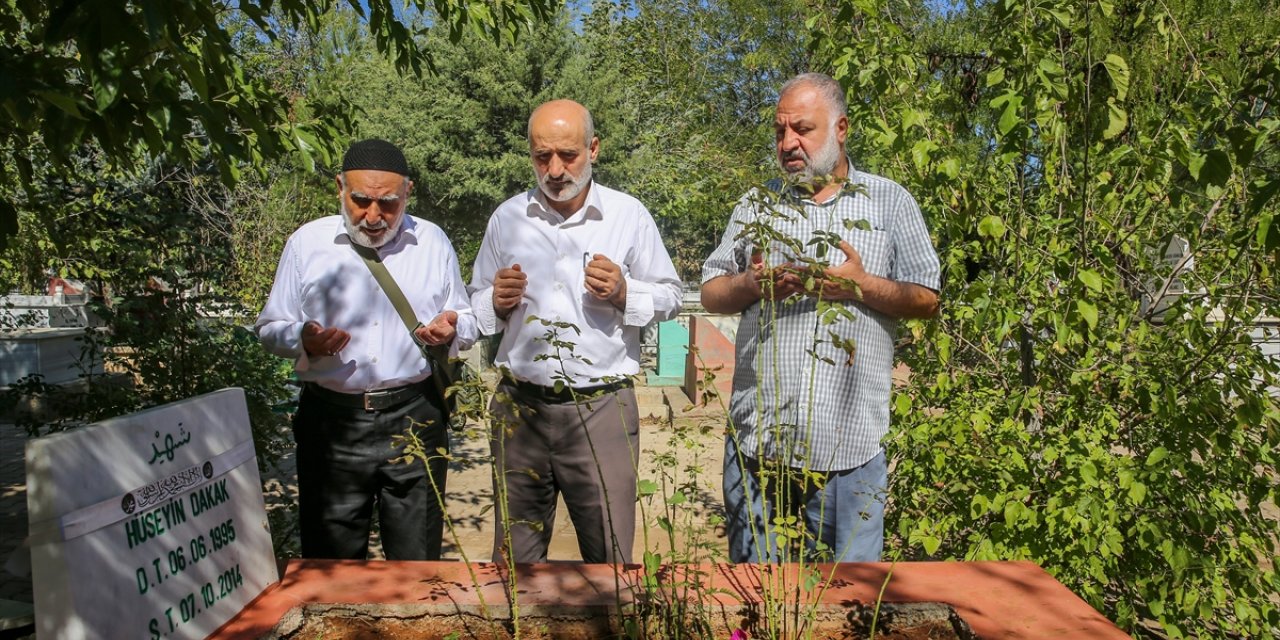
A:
{"x":151,"y":525}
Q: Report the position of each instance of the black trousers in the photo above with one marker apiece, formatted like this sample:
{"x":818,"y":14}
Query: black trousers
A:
{"x":345,"y":467}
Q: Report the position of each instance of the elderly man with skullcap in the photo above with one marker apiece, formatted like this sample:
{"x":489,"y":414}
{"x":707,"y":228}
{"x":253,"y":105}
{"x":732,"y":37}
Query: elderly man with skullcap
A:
{"x":365,"y":378}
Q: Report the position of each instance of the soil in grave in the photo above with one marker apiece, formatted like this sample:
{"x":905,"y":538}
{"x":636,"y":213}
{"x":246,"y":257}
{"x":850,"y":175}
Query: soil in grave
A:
{"x":914,"y":621}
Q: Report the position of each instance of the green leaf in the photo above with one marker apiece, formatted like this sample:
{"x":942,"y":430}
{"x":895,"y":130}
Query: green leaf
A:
{"x":1263,"y":192}
{"x":930,"y":544}
{"x":995,"y":76}
{"x":902,"y":404}
{"x":1215,"y":169}
{"x":978,"y":506}
{"x":949,"y":167}
{"x":652,"y":562}
{"x":1063,"y":18}
{"x":1195,"y":164}
{"x":1089,"y":312}
{"x":105,"y":91}
{"x":914,"y":118}
{"x":1009,"y":118}
{"x":1266,"y":228}
{"x":1091,"y":279}
{"x":66,"y":103}
{"x":811,"y":580}
{"x":677,"y":497}
{"x":991,"y":226}
{"x":1118,"y":70}
{"x":1137,"y":492}
{"x":646,"y":487}
{"x":921,"y":152}
{"x":1156,"y":455}
{"x":1050,"y":66}
{"x":304,"y":148}
{"x":1012,"y":511}
{"x":1089,"y":473}
{"x":194,"y":73}
{"x":1117,"y":120}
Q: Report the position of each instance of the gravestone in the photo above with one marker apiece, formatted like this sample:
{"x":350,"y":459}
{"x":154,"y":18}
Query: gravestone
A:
{"x":673,"y":348}
{"x":151,"y":525}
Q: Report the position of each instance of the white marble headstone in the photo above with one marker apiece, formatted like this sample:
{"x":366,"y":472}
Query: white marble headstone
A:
{"x":151,"y":525}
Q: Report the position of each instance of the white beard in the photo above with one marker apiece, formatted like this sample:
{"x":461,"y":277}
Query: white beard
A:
{"x":358,"y":231}
{"x":570,"y":191}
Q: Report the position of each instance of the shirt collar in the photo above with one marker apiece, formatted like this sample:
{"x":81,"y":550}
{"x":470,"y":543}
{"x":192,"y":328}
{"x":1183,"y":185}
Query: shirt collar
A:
{"x":592,"y":208}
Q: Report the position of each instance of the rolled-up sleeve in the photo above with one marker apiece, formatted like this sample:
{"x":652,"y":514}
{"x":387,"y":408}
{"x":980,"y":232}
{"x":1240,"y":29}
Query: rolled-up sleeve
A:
{"x":654,"y":289}
{"x":915,"y":259}
{"x":730,"y":256}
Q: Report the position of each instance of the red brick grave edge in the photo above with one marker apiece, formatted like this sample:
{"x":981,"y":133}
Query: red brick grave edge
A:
{"x":996,"y":599}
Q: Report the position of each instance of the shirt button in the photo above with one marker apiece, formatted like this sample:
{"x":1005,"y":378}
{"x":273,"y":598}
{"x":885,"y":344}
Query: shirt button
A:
{"x":375,"y":360}
{"x":559,"y":286}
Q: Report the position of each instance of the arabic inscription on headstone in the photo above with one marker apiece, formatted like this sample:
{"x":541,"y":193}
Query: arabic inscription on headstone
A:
{"x":148,"y":526}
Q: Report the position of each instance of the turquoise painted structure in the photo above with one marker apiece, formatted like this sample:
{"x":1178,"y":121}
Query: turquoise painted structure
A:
{"x":673,"y":347}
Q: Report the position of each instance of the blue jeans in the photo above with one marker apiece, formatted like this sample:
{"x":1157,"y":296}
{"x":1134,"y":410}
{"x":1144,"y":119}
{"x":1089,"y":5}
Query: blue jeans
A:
{"x":845,"y":513}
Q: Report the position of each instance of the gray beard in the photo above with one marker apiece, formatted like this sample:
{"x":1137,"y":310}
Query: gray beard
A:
{"x":824,"y":164}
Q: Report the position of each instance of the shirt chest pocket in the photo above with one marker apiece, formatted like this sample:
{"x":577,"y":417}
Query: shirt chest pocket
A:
{"x":874,"y":248}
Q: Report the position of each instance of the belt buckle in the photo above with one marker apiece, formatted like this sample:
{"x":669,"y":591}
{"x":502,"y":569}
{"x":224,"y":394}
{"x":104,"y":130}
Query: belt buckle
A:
{"x":373,"y":400}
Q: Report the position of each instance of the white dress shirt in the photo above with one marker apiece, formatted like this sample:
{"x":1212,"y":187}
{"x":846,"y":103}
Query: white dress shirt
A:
{"x":553,"y":252}
{"x":321,"y":278}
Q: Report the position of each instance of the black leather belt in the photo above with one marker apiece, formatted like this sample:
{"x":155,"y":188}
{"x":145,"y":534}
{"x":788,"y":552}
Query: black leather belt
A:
{"x":379,"y":400}
{"x":549,"y":395}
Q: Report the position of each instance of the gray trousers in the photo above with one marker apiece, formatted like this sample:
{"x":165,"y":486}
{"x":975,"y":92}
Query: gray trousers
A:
{"x":588,"y":452}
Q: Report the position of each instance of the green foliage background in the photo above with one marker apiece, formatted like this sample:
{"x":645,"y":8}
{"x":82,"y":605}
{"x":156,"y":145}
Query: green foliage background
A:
{"x":1055,"y":413}
{"x":1057,"y":147}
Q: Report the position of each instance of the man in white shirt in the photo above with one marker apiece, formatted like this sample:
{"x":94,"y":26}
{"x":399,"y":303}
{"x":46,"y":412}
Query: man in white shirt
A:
{"x":569,"y":272}
{"x":365,"y":379}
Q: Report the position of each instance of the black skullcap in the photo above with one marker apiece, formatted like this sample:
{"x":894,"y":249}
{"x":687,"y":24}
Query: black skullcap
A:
{"x":376,"y":155}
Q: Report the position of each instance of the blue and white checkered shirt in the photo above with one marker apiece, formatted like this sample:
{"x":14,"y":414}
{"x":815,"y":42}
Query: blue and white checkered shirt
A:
{"x":799,"y":396}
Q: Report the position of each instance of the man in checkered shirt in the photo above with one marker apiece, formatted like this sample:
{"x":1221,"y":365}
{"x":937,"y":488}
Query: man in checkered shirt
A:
{"x":821,"y":266}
